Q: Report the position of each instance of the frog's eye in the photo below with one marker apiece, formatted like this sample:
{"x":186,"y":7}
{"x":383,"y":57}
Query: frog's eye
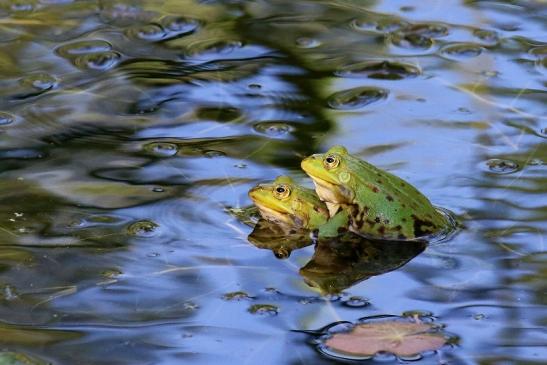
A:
{"x":282,"y":191}
{"x":331,"y":161}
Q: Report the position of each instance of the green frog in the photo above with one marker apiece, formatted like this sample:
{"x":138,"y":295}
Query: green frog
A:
{"x":289,"y":205}
{"x":374,"y":202}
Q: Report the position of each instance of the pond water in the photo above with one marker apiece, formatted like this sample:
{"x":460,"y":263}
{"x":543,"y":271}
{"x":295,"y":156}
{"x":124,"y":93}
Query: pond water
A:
{"x":127,"y":128}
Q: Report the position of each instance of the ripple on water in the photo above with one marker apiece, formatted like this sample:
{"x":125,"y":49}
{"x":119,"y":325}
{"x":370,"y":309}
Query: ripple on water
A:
{"x":458,"y":51}
{"x":383,"y":70}
{"x":356,"y":98}
{"x":273,"y":128}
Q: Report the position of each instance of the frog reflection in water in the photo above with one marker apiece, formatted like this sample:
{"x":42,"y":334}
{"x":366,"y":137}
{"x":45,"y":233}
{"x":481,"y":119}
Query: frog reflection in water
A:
{"x":378,"y":204}
{"x":344,"y":261}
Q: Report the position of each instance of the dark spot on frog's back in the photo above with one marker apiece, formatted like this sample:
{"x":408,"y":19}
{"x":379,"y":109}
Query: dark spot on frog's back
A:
{"x":374,"y":189}
{"x":389,"y":198}
{"x":422,"y":227}
{"x":377,"y":219}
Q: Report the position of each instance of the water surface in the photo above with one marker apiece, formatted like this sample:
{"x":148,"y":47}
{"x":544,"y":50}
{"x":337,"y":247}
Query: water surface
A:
{"x":128,"y":127}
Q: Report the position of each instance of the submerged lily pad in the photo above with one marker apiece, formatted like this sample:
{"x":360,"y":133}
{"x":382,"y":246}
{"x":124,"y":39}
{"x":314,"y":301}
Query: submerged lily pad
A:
{"x":400,"y":338}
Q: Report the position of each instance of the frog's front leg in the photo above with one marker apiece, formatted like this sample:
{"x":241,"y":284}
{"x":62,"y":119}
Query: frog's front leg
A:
{"x":335,"y":226}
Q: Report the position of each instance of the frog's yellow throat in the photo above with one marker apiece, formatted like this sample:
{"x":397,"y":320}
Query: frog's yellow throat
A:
{"x":325,"y":189}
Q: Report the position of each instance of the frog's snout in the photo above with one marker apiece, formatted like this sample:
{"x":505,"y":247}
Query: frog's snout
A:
{"x":308,"y":161}
{"x":253,"y":193}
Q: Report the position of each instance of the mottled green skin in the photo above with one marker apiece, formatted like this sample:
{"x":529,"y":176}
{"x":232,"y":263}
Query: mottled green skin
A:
{"x":379,"y":204}
{"x":300,"y":209}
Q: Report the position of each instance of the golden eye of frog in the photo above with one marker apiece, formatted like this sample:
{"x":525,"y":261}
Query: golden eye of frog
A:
{"x":379,"y":204}
{"x":286,"y":203}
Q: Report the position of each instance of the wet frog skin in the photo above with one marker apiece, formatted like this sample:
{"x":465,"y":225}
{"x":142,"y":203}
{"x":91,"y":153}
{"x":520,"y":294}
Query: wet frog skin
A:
{"x":379,"y":204}
{"x":288,"y":204}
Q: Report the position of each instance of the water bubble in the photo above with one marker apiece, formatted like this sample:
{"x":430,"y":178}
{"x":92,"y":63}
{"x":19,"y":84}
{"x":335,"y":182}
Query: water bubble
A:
{"x":220,"y":114}
{"x":213,"y":153}
{"x":535,"y":162}
{"x":149,"y":32}
{"x":6,"y":118}
{"x":83,"y":47}
{"x":383,"y":25}
{"x":501,"y":166}
{"x":162,"y":148}
{"x":179,"y":25}
{"x":273,"y":129}
{"x":356,"y":98}
{"x":428,"y":30}
{"x":383,"y":70}
{"x":264,"y":309}
{"x":158,"y":189}
{"x":205,"y":48}
{"x":356,"y":302}
{"x":255,"y":86}
{"x":461,"y":50}
{"x":489,"y":37}
{"x":240,"y":165}
{"x":237,"y":296}
{"x":144,"y":228}
{"x":40,"y":81}
{"x":410,"y":41}
{"x":479,"y":316}
{"x":414,"y":357}
{"x":98,"y":61}
{"x":305,"y":42}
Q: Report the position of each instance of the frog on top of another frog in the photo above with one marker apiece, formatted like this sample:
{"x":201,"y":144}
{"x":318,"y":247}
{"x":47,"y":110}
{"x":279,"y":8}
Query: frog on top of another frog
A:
{"x":379,"y":204}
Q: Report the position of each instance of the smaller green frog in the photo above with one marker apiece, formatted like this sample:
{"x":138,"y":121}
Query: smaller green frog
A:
{"x":288,"y":204}
{"x":376,"y":203}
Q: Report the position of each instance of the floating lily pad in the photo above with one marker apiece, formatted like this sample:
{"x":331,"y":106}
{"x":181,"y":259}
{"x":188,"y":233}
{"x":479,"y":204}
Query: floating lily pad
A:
{"x":400,"y":338}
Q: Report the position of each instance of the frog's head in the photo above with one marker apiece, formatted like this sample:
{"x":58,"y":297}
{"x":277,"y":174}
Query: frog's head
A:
{"x":287,"y":203}
{"x":331,"y":173}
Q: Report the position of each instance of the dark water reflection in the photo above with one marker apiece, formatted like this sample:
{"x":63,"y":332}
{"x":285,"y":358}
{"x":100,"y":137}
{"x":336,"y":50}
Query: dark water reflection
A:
{"x":127,"y":127}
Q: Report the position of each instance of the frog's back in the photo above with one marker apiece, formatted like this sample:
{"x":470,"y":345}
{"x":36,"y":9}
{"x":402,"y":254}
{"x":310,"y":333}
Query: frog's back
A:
{"x":389,"y":207}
